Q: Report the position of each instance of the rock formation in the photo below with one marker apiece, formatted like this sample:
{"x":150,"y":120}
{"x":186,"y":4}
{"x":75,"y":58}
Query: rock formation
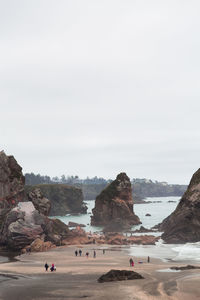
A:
{"x":24,"y":224}
{"x":115,"y":204}
{"x":183,"y":268}
{"x":183,"y":225}
{"x":65,"y":199}
{"x":11,"y":184}
{"x":22,"y":221}
{"x":42,"y":204}
{"x":118,"y":275}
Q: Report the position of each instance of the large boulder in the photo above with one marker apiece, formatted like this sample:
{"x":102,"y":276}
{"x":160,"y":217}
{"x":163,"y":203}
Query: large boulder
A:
{"x":56,"y":231}
{"x":23,"y":224}
{"x":65,"y":199}
{"x":183,"y":225}
{"x":119,"y":275}
{"x":41,"y":203}
{"x":115,"y":205}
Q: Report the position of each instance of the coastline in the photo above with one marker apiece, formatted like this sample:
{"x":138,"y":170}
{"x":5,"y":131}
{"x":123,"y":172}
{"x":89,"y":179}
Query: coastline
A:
{"x":76,"y":277}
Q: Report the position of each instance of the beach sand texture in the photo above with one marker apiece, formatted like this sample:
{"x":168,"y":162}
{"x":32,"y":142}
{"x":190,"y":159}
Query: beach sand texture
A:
{"x":76,"y":277}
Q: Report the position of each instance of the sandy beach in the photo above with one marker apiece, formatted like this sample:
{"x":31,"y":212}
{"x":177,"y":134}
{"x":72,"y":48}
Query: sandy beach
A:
{"x":76,"y":277}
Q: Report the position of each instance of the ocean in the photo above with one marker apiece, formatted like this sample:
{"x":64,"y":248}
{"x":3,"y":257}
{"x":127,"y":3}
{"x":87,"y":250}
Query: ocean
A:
{"x":159,"y":208}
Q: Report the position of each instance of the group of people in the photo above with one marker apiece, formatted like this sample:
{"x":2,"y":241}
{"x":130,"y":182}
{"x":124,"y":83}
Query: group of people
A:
{"x":76,"y":252}
{"x":52,"y":268}
{"x":139,"y":262}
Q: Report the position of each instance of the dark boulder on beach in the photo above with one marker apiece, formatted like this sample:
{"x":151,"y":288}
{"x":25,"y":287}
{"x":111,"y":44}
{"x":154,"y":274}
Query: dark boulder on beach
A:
{"x":115,"y":205}
{"x":183,"y":225}
{"x":183,"y":268}
{"x":119,"y":275}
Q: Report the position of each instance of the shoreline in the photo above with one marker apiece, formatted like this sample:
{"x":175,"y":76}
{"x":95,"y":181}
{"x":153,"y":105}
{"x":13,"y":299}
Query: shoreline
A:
{"x":76,"y":277}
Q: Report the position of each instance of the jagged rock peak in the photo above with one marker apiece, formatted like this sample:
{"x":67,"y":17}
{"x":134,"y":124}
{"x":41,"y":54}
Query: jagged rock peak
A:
{"x":183,"y":225}
{"x":115,"y":204}
{"x":11,"y":180}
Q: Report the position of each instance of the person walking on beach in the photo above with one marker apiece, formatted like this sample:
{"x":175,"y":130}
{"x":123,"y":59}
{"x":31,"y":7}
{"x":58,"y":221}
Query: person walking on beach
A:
{"x":131,"y":262}
{"x":80,"y":252}
{"x":52,"y":268}
{"x":94,"y":255}
{"x":76,"y":253}
{"x":87,"y":254}
{"x":148,"y":259}
{"x":46,"y":266}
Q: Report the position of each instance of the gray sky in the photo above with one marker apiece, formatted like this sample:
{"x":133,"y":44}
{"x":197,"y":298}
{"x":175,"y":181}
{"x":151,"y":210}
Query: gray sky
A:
{"x":99,"y":87}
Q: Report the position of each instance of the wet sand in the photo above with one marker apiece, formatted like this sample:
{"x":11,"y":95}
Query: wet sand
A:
{"x":76,"y":277}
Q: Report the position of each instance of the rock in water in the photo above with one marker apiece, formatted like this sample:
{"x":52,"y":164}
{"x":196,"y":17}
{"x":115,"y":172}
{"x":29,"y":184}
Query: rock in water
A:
{"x":115,"y":204}
{"x":118,"y":275}
{"x":183,"y":225}
{"x":42,"y":204}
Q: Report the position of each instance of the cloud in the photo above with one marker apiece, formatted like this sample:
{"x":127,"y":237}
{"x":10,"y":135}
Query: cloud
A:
{"x":98,"y":87}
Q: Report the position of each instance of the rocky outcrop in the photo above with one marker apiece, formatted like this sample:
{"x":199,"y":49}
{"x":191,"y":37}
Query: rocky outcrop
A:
{"x":119,"y":275}
{"x":11,"y":184}
{"x":74,"y":224}
{"x":24,"y":224}
{"x":183,"y":268}
{"x":11,"y":180}
{"x":119,"y":239}
{"x":115,"y":204}
{"x":42,"y":204}
{"x":65,"y":199}
{"x":39,"y":245}
{"x":183,"y":225}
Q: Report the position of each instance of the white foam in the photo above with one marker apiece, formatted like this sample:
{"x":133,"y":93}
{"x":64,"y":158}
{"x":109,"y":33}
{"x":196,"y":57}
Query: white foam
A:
{"x":189,"y":251}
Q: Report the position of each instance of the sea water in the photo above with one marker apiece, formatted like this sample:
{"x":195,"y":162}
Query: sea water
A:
{"x":159,"y":208}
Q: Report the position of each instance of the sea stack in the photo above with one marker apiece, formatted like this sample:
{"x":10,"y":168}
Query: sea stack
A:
{"x":114,"y":205}
{"x":183,"y":225}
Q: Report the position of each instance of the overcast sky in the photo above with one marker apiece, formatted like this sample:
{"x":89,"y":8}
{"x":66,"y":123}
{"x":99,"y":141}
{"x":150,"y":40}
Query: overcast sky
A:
{"x":98,"y":87}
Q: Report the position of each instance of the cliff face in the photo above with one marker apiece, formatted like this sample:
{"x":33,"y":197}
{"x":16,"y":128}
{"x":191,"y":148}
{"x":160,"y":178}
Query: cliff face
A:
{"x":65,"y":199}
{"x":183,"y":225}
{"x":11,"y":180}
{"x":11,"y":184}
{"x":115,"y":204}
